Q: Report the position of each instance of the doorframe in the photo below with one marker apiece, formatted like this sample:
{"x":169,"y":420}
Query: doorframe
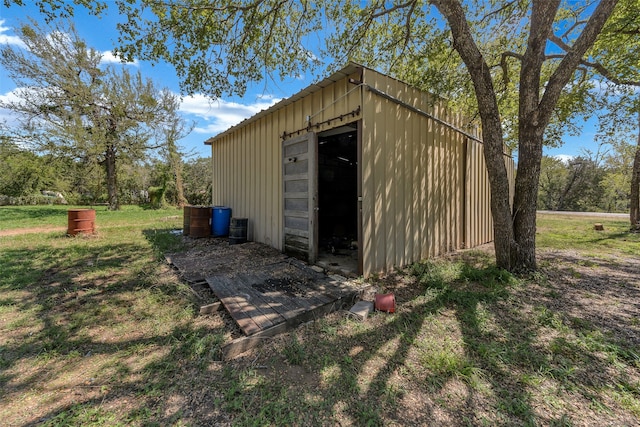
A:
{"x":358,"y":130}
{"x":359,"y":195}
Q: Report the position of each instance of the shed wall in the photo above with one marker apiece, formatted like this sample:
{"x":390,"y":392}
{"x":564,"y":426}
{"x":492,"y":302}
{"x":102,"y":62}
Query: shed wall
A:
{"x":247,"y":163}
{"x":425,"y":187}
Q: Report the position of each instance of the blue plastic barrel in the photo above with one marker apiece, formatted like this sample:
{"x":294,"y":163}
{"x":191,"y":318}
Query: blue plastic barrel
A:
{"x":220,"y":217}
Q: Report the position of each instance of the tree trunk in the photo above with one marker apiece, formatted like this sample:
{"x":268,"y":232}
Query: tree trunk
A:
{"x":176,"y":165}
{"x":182,"y":200}
{"x":525,"y":201}
{"x":480,"y":74}
{"x":515,"y":235}
{"x":634,"y":211}
{"x":112,"y":179}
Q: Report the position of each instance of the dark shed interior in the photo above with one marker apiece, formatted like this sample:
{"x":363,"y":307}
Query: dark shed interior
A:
{"x":338,"y":198}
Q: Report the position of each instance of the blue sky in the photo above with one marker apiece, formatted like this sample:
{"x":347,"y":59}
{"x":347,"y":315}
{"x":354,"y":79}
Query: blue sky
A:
{"x":210,"y":117}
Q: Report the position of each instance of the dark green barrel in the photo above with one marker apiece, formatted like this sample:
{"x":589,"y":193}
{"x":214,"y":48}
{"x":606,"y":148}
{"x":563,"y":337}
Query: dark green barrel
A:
{"x":238,"y":230}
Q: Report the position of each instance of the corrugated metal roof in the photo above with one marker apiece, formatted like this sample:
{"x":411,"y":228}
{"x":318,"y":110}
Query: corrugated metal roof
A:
{"x":351,"y":68}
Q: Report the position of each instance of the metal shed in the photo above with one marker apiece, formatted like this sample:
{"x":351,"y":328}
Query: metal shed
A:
{"x":359,"y":163}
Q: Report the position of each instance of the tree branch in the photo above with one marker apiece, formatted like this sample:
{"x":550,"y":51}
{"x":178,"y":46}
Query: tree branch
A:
{"x":574,"y":57}
{"x":606,"y":73}
{"x":384,"y":11}
{"x":497,"y":11}
{"x":505,"y":66}
{"x":609,"y":75}
{"x":543,"y":14}
{"x":573,"y":27}
{"x":407,"y":32}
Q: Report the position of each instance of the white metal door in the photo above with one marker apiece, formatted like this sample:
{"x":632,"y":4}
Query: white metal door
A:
{"x":299,"y":169}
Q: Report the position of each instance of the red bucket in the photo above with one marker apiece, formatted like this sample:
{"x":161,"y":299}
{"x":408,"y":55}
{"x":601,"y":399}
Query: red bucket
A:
{"x":385,"y":302}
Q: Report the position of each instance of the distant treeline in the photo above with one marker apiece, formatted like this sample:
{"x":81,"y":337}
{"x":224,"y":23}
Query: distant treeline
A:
{"x":29,"y":178}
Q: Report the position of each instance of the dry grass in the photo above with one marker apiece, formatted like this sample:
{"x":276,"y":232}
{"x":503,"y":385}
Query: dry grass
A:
{"x":98,"y":331}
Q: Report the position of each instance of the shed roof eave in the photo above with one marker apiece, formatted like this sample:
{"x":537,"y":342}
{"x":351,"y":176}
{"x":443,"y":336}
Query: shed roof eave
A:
{"x":346,"y":71}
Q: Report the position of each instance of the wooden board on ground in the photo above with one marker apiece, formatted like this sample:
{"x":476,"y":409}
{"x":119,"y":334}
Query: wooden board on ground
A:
{"x":196,"y":265}
{"x":240,"y":345}
{"x":210,"y":308}
{"x":270,"y":295}
{"x":265,"y":292}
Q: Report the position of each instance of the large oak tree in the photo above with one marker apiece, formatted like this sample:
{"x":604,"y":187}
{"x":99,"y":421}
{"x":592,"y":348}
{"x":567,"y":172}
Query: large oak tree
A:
{"x":618,"y":61}
{"x":68,"y":103}
{"x":534,"y":51}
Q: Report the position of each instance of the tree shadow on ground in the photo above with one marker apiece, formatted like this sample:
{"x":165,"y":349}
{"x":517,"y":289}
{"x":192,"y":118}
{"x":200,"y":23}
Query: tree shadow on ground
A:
{"x":99,"y":335}
{"x":468,"y":344}
{"x":20,"y":213}
{"x":465,"y":347}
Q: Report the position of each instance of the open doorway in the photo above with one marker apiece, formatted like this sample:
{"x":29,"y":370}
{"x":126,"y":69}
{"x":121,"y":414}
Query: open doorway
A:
{"x":338,"y":207}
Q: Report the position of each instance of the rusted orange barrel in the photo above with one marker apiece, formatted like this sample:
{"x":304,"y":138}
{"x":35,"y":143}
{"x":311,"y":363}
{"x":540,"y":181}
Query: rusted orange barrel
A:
{"x":81,"y":221}
{"x":199,"y":225}
{"x":186,"y":224}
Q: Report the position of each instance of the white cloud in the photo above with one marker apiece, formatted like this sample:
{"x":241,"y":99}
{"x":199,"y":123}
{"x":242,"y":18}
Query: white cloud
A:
{"x":21,"y":96}
{"x":220,"y":115}
{"x":108,"y":57}
{"x":12,"y":95}
{"x":213,"y":116}
{"x":7,"y":39}
{"x":564,"y":158}
{"x":7,"y":116}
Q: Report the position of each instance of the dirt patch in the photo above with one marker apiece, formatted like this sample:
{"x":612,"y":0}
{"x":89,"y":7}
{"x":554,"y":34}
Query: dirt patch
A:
{"x":603,"y":292}
{"x":31,"y":230}
{"x":111,"y":350}
{"x":205,"y":257}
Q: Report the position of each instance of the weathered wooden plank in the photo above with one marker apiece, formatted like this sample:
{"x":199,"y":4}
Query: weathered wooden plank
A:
{"x":285,"y":305}
{"x":241,"y":345}
{"x":297,"y":196}
{"x":293,"y":204}
{"x":296,"y":186}
{"x":237,"y":307}
{"x":295,"y":149}
{"x":296,"y":214}
{"x":276,"y":293}
{"x":210,"y":308}
{"x":319,"y":286}
{"x":296,"y":223}
{"x":280,"y":302}
{"x":301,"y":243}
{"x":299,"y":168}
{"x":293,"y":251}
{"x":292,"y":302}
{"x":237,"y":290}
{"x":262,"y":313}
{"x":244,"y":321}
{"x":293,"y":175}
{"x":315,"y":282}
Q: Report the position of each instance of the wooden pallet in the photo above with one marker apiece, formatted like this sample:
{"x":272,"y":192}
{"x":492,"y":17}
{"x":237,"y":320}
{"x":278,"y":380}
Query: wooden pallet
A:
{"x":196,"y":267}
{"x":270,"y":295}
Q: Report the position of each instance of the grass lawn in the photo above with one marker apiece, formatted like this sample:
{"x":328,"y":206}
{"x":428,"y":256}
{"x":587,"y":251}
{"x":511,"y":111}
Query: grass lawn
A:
{"x":97,"y":330}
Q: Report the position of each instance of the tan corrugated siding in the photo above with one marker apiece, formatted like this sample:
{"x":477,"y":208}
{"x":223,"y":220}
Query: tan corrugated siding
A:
{"x":479,"y":226}
{"x":425,"y":189}
{"x":247,"y":162}
{"x":413,"y":172}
